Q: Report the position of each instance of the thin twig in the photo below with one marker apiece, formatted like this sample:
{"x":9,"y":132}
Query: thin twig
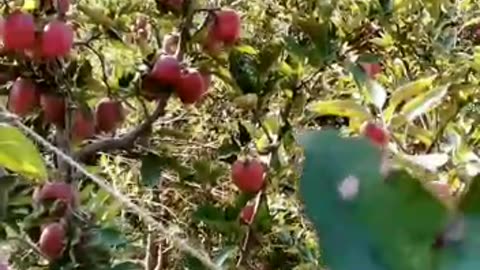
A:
{"x":102,"y":64}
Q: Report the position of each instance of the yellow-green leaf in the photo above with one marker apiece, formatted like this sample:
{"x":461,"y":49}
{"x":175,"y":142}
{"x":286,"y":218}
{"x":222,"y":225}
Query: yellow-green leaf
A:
{"x":19,"y":154}
{"x":406,"y":92}
{"x":345,"y":108}
{"x":424,"y":103}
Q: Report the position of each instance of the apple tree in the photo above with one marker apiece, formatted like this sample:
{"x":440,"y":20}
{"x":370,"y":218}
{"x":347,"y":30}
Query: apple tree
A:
{"x":194,"y":134}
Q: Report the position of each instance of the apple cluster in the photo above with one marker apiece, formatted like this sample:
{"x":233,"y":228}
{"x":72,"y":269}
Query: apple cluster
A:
{"x":190,"y":84}
{"x":26,"y":97}
{"x":55,"y":39}
{"x":20,"y":36}
{"x":61,"y":199}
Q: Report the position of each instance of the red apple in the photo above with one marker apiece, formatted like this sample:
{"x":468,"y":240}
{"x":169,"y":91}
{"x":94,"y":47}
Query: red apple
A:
{"x":227,"y":26}
{"x":24,"y":97}
{"x":248,"y":175}
{"x":167,"y":70}
{"x":191,"y":86}
{"x":371,"y":69}
{"x":170,"y":43}
{"x":19,"y":31}
{"x":248,"y":214}
{"x":52,"y":191}
{"x":83,"y":125}
{"x":35,"y":53}
{"x":376,"y":133}
{"x":109,"y":115}
{"x":57,"y":39}
{"x":53,"y":241}
{"x":54,"y":109}
{"x":211,"y":44}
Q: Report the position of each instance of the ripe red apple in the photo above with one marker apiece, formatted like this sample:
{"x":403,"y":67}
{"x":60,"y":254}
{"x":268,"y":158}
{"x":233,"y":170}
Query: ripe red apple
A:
{"x":167,"y":70}
{"x":372,"y":69}
{"x":83,"y":124}
{"x":57,"y":39}
{"x":248,"y":175}
{"x":53,"y":241}
{"x":376,"y":133}
{"x":212,"y":46}
{"x":35,"y":53}
{"x":191,"y":86}
{"x":109,"y":115}
{"x":227,"y":26}
{"x":52,"y":191}
{"x":19,"y":31}
{"x":170,"y":43}
{"x":24,"y":97}
{"x":54,"y":109}
{"x":248,"y":214}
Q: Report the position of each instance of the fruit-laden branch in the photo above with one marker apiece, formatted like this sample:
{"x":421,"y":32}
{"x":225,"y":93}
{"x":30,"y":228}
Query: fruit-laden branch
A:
{"x":128,"y":139}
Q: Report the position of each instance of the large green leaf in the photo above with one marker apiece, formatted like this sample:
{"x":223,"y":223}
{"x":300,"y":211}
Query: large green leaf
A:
{"x":381,"y":224}
{"x":19,"y":154}
{"x":151,"y":170}
{"x":461,"y":253}
{"x":329,"y":159}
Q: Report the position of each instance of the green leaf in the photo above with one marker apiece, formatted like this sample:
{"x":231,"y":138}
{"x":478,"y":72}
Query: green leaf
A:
{"x":215,"y":218}
{"x":346,"y":241}
{"x":470,"y":201}
{"x":111,"y":237}
{"x":345,"y":108}
{"x":246,"y":49}
{"x":268,"y":56}
{"x":424,"y":103}
{"x":405,"y":93}
{"x":19,"y":154}
{"x":151,"y":170}
{"x":349,"y":200}
{"x":319,"y":33}
{"x":462,"y":253}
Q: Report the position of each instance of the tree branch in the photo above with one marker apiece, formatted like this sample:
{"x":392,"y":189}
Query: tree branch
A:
{"x":128,"y":139}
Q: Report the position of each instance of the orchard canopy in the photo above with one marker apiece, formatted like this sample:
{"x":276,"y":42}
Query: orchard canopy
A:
{"x":262,"y":135}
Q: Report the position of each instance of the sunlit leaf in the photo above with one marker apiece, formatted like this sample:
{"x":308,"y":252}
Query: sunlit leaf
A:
{"x":345,"y":108}
{"x":19,"y":154}
{"x":423,"y":103}
{"x":407,"y":92}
